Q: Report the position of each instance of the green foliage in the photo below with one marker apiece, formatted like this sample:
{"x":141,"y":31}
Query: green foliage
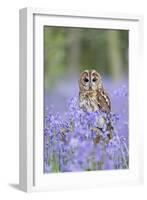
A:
{"x":68,"y":51}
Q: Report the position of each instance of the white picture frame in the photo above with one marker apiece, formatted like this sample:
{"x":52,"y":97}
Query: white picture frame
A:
{"x":31,"y":175}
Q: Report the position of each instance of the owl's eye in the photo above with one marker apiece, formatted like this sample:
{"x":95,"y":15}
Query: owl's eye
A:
{"x":94,"y":79}
{"x":86,"y":80}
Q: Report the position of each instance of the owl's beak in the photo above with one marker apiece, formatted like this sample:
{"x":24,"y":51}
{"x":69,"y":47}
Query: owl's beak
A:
{"x":90,"y":85}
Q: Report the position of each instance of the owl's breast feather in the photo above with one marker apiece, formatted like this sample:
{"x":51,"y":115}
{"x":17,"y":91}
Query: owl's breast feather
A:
{"x":88,"y":101}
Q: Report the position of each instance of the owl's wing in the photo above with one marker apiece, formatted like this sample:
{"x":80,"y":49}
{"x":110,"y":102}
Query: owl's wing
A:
{"x":103,"y":100}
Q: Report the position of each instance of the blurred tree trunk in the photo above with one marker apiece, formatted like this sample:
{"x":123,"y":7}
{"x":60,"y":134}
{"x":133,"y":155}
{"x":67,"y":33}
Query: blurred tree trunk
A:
{"x":114,"y":54}
{"x":74,"y":47}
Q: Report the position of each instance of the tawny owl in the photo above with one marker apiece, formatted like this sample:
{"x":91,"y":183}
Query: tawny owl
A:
{"x":92,"y":95}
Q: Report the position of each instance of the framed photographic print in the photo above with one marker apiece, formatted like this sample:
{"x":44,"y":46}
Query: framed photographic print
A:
{"x":80,"y":120}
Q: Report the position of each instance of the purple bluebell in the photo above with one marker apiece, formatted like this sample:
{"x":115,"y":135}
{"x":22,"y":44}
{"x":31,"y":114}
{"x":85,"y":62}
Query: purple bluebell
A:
{"x":69,"y":137}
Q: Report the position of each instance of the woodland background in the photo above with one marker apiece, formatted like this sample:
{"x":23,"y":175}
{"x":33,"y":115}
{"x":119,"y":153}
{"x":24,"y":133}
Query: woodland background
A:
{"x":69,"y":51}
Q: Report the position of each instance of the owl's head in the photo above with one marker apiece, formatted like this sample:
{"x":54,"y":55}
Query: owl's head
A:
{"x":90,"y":80}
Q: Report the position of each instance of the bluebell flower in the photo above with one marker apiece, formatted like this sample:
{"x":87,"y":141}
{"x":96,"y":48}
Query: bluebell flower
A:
{"x":69,"y":138}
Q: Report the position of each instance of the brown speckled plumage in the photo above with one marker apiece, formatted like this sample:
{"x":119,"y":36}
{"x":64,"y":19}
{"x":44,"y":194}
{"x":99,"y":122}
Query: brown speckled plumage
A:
{"x":93,"y":97}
